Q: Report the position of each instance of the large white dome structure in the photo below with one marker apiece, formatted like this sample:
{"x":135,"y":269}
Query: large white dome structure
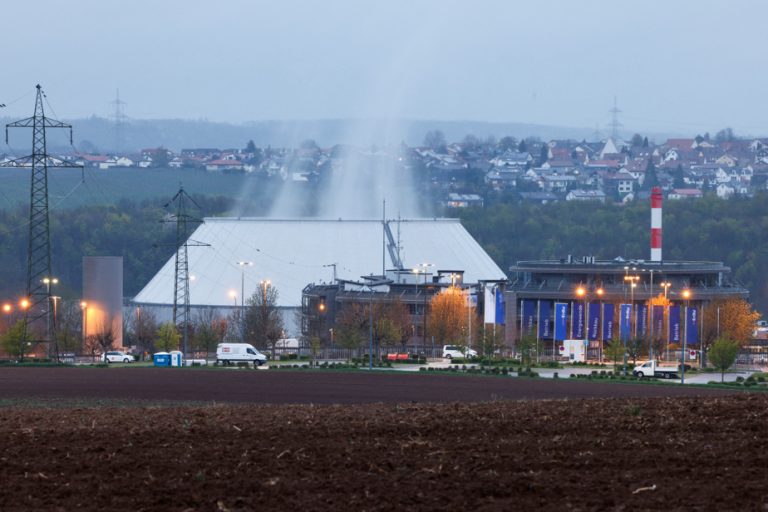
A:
{"x":292,"y":253}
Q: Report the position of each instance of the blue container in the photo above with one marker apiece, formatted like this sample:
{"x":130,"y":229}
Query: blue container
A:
{"x":162,"y":359}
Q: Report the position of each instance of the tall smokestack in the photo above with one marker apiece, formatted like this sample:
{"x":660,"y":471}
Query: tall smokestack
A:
{"x":656,"y":224}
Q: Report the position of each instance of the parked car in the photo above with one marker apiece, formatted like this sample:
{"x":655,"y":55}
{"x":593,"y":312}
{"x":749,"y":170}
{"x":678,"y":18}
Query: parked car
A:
{"x":117,"y":357}
{"x":451,"y":351}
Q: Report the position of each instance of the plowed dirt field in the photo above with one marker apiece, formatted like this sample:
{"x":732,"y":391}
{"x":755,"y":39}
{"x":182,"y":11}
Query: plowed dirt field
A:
{"x":119,"y":439}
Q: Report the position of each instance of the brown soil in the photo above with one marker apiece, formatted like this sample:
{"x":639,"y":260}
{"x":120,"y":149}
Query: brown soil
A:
{"x":706,"y":452}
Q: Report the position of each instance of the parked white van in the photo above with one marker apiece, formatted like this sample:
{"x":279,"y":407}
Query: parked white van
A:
{"x":229,"y":353}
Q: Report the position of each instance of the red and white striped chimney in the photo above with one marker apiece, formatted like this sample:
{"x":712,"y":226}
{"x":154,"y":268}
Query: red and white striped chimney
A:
{"x":656,"y":224}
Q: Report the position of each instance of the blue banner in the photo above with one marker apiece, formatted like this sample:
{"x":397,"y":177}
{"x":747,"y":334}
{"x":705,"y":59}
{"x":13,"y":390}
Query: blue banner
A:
{"x":500,"y":307}
{"x":674,"y":324}
{"x":593,"y":328}
{"x":692,"y":326}
{"x":561,"y":320}
{"x":577,"y":322}
{"x":658,"y":322}
{"x":642,"y":321}
{"x":529,"y":316}
{"x":608,"y":322}
{"x":625,"y":322}
{"x":545,"y":320}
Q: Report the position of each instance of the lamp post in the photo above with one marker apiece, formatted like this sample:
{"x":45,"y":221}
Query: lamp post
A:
{"x":55,"y":300}
{"x":242,"y":265}
{"x":84,"y":307}
{"x":370,"y":330}
{"x":687,"y":297}
{"x":266,"y":283}
{"x":650,"y":316}
{"x":7,"y":310}
{"x":632,"y":280}
{"x":582,"y":293}
{"x":666,"y":285}
{"x":422,"y":269}
{"x":48,"y":281}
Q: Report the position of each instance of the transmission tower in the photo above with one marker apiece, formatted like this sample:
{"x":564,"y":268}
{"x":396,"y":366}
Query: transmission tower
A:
{"x":181,"y":268}
{"x":615,"y":124}
{"x":39,"y":251}
{"x":119,"y":118}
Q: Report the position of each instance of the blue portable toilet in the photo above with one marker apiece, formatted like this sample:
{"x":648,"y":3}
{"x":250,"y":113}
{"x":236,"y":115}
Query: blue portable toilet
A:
{"x":177,"y":358}
{"x":161,"y":359}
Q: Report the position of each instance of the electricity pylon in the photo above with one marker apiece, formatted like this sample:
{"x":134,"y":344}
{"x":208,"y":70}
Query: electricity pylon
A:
{"x":181,"y":267}
{"x":39,"y":251}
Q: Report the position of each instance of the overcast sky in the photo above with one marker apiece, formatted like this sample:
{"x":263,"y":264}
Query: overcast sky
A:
{"x":685,"y":66}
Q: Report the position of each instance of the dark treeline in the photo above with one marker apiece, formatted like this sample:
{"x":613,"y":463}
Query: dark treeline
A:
{"x":128,"y":229}
{"x":734,"y":231}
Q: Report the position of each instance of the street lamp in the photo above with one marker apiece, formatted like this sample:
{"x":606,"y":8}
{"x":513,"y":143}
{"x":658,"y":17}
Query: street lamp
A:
{"x":666,"y":285}
{"x":632,"y":280}
{"x":242,"y":265}
{"x":422,"y":269}
{"x":265,"y":283}
{"x":687,"y":296}
{"x":582,"y":293}
{"x":84,"y":307}
{"x":48,"y":281}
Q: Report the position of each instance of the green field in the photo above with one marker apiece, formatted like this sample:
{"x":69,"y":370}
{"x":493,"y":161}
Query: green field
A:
{"x":71,"y":188}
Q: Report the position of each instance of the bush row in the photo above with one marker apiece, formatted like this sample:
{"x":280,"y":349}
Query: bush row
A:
{"x":482,"y":370}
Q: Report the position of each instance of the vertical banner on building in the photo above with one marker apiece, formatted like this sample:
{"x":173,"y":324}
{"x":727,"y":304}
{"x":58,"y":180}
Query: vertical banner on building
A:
{"x":577,"y":322}
{"x":489,"y":309}
{"x":529,"y":316}
{"x":692,"y":326}
{"x":561,"y":320}
{"x":625,"y":322}
{"x":674,"y":324}
{"x":593,"y":327}
{"x":500,"y":307}
{"x":658,"y":322}
{"x":607,"y":322}
{"x":642,"y":321}
{"x":545,"y":320}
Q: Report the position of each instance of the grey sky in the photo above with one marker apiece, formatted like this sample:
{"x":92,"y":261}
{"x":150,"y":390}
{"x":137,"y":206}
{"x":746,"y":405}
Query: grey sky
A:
{"x":684,"y":66}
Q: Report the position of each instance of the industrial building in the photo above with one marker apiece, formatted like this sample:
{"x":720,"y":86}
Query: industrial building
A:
{"x":603,"y":300}
{"x":244,"y":254}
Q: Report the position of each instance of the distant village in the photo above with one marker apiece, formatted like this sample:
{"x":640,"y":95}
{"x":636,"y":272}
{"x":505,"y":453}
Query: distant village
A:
{"x":468,"y":173}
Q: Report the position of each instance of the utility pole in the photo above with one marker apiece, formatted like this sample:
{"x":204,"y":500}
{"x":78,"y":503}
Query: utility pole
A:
{"x":181,"y":268}
{"x":39,"y":249}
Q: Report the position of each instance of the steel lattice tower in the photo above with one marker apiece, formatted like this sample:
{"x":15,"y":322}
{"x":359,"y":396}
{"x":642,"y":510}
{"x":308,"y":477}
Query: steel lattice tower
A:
{"x":39,"y":250}
{"x":615,"y":124}
{"x":181,"y":267}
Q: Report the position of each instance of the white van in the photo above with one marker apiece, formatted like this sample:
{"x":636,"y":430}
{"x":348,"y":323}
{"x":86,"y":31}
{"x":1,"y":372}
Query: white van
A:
{"x":228,"y":353}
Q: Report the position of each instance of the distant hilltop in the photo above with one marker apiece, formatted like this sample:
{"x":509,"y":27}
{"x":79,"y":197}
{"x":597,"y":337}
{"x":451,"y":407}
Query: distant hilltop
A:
{"x":100,"y":135}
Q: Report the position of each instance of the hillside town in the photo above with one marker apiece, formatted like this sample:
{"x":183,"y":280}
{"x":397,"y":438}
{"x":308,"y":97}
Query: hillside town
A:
{"x":468,"y":173}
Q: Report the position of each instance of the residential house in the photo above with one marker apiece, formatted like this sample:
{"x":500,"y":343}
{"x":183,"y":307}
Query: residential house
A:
{"x":685,"y":193}
{"x":586,"y":195}
{"x":463,"y":200}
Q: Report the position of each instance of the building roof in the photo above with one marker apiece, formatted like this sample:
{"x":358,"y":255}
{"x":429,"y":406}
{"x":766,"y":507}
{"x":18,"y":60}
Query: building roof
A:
{"x":292,"y":253}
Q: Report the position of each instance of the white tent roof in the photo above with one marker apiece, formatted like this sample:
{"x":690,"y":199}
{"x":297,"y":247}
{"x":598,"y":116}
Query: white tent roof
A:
{"x":293,"y":253}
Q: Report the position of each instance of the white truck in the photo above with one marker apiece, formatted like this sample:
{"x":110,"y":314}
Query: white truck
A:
{"x":229,"y":353}
{"x":654,"y":369}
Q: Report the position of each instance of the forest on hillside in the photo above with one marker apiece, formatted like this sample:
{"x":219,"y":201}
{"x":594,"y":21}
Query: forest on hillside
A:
{"x":734,"y":231}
